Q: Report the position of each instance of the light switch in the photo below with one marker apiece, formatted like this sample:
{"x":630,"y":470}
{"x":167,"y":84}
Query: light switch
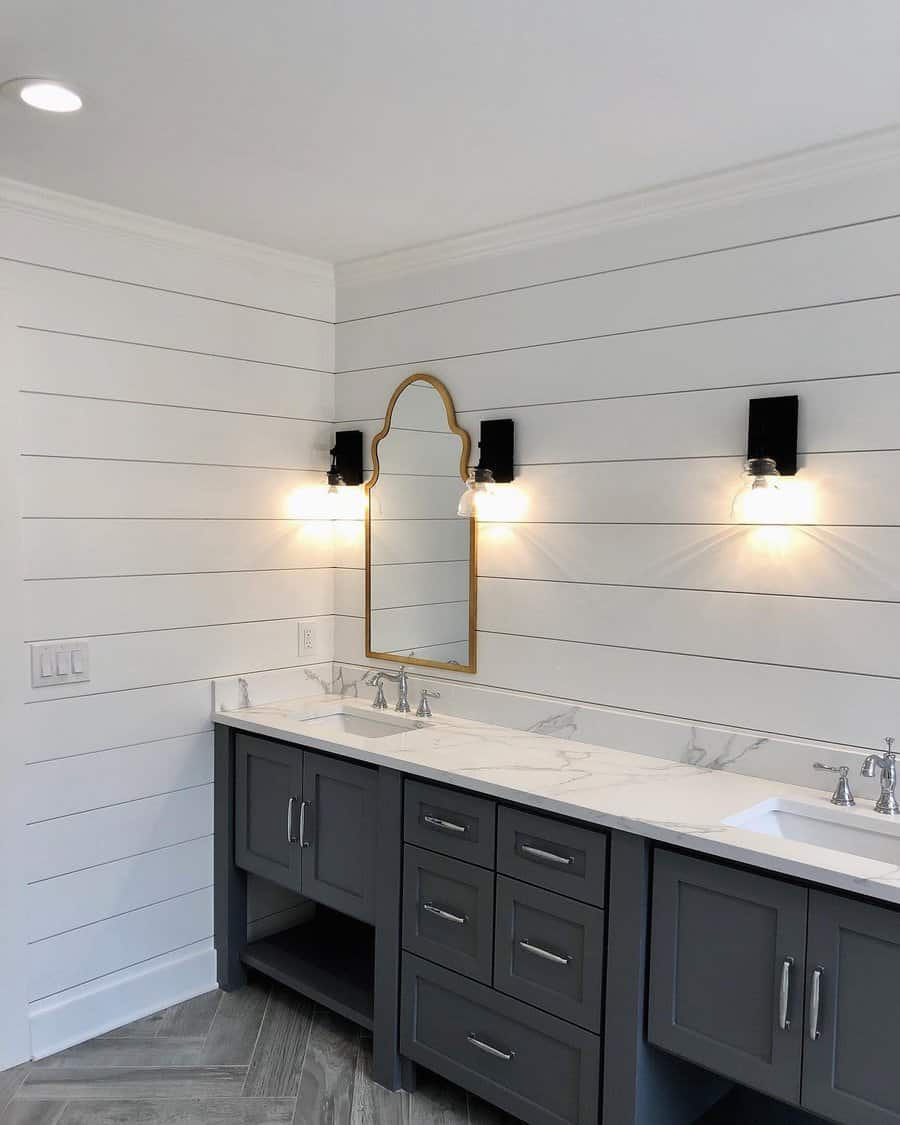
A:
{"x":61,"y":662}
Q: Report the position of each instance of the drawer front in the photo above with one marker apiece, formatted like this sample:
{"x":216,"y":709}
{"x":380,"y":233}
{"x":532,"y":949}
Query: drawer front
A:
{"x":448,"y":912}
{"x":548,"y":951}
{"x":562,"y":857}
{"x":534,"y":1066}
{"x":456,"y":824}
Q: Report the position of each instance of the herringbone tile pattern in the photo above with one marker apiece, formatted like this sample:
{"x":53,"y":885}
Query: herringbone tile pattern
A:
{"x":260,"y":1056}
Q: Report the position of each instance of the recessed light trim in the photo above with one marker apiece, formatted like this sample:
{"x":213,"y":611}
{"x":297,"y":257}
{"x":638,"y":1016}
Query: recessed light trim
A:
{"x":45,"y":94}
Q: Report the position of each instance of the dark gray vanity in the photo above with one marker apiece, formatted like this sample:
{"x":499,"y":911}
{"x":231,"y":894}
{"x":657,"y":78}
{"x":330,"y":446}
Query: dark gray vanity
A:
{"x":566,"y":973}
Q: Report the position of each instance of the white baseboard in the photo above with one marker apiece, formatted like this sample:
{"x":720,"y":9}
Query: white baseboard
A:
{"x":99,"y":1006}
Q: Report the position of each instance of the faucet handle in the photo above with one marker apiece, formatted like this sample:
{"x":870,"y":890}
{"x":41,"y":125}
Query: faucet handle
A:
{"x":842,"y":795}
{"x":424,"y":711}
{"x":374,"y":679}
{"x":889,"y":742}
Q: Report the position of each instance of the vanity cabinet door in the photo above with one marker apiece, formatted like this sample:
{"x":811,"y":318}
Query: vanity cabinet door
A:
{"x":267,"y":802}
{"x":851,"y":1070}
{"x":726,"y":946}
{"x":338,"y":845}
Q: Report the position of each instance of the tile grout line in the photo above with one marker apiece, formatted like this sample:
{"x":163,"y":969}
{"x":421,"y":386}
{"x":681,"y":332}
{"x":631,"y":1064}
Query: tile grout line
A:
{"x":258,"y":1035}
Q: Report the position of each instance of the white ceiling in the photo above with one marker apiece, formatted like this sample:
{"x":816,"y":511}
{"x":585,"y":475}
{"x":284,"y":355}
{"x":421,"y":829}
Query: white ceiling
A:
{"x":344,"y":128}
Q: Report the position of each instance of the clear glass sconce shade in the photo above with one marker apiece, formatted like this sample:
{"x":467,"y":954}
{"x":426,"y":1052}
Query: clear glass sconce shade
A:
{"x":479,"y":486}
{"x":761,"y":499}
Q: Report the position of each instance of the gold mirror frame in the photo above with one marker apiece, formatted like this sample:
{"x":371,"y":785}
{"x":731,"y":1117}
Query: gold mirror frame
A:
{"x":473,"y":533}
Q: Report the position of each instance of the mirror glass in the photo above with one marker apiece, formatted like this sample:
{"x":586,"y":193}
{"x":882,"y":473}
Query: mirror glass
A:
{"x":420,"y":557}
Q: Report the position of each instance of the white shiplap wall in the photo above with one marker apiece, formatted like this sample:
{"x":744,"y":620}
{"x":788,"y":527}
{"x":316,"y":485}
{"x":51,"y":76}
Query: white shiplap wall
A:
{"x":627,"y":359}
{"x":171,"y":397}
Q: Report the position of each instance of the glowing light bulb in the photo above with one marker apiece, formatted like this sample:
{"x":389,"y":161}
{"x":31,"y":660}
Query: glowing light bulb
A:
{"x":762,"y":498}
{"x":479,"y":488}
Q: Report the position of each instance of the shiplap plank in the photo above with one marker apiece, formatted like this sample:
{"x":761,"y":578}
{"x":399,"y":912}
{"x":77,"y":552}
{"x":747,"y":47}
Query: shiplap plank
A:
{"x":56,"y":363}
{"x":418,"y":584}
{"x":109,"y":777}
{"x":618,"y":244}
{"x":61,"y":962}
{"x":56,"y":425}
{"x":801,"y":703}
{"x":74,"y":843}
{"x":77,"y":899}
{"x":78,"y":607}
{"x":837,"y":265}
{"x":418,"y":627}
{"x":840,"y":488}
{"x":53,"y":486}
{"x":755,"y":353}
{"x":215,"y":268}
{"x":173,"y":655}
{"x":404,"y":541}
{"x":822,"y":562}
{"x":802,"y":632}
{"x":73,"y":548}
{"x":89,"y":306}
{"x":80,"y":725}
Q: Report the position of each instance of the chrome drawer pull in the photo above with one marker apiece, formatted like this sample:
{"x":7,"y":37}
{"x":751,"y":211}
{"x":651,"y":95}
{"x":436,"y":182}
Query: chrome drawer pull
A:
{"x":304,"y":843}
{"x":814,"y":997}
{"x":444,"y":915}
{"x":539,"y":853}
{"x":784,"y":995}
{"x":507,"y":1056}
{"x":291,"y":838}
{"x":556,"y":958}
{"x":446,"y":825}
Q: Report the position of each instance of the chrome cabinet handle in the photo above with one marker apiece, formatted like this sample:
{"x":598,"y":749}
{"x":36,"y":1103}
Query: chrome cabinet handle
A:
{"x":556,"y":958}
{"x":304,"y":843}
{"x":291,"y":838}
{"x":444,"y":915}
{"x":539,"y":853}
{"x":507,"y":1056}
{"x":814,"y":997}
{"x":784,"y":994}
{"x":446,"y":825}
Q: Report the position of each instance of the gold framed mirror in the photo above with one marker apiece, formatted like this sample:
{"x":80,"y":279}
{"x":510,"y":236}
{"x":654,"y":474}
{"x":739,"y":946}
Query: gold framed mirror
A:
{"x":420,"y":555}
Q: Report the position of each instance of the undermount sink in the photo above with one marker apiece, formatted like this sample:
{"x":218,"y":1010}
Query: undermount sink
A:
{"x":841,"y":830}
{"x":361,"y":726}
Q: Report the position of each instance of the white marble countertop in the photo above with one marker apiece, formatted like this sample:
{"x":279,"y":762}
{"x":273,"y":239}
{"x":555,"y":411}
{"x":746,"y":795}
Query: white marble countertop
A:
{"x":665,"y":801}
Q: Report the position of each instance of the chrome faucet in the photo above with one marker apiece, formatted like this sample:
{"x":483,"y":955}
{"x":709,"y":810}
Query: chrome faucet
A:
{"x":842,"y":795}
{"x":375,"y":680}
{"x":401,"y":679}
{"x":887,"y":763}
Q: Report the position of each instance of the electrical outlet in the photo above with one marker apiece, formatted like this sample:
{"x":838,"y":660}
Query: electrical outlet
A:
{"x":306,"y":638}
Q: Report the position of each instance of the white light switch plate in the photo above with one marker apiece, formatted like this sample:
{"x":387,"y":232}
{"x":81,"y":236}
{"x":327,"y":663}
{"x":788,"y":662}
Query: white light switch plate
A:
{"x":61,"y":662}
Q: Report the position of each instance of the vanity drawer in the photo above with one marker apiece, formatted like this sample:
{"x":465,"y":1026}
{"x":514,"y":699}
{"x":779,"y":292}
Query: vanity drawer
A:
{"x":548,"y":951}
{"x":448,"y":912}
{"x":456,"y":824}
{"x":534,"y":1066}
{"x":554,"y":854}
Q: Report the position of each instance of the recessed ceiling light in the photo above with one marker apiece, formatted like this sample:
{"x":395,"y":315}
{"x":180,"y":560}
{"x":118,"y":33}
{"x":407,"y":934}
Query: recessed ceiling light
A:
{"x":44,"y":93}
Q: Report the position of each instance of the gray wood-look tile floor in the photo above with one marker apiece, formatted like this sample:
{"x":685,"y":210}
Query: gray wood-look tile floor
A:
{"x":257,"y":1056}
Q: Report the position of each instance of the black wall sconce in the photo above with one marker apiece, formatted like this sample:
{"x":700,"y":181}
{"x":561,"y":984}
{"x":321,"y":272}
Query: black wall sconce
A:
{"x":346,"y":459}
{"x":771,"y":455}
{"x":496,"y":455}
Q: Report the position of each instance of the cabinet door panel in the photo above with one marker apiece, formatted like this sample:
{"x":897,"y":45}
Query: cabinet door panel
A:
{"x":850,"y":1072}
{"x":267,"y":792}
{"x":719,"y":942}
{"x":338,"y":854}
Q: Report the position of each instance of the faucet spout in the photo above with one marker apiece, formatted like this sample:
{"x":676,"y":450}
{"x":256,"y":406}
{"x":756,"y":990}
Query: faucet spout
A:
{"x":887,"y":762}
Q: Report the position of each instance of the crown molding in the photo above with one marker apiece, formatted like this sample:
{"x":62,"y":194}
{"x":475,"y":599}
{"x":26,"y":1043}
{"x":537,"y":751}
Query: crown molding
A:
{"x":86,"y":214}
{"x":791,"y":171}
